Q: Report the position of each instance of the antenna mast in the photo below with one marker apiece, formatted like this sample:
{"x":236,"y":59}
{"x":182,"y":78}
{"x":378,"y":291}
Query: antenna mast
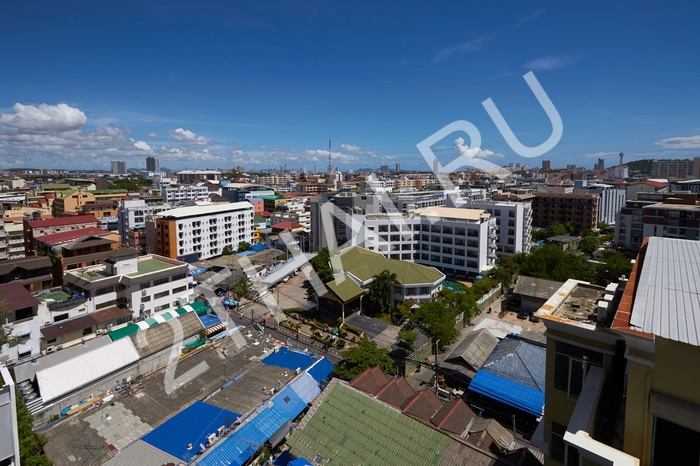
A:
{"x":330,"y":160}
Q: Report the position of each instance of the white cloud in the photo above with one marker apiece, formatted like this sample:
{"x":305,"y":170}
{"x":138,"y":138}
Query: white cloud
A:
{"x":689,"y":142}
{"x":54,"y":136}
{"x":357,"y":150}
{"x":531,"y":17}
{"x":143,"y":146}
{"x":549,"y":63}
{"x":184,"y":135}
{"x":42,"y":119}
{"x":152,"y":136}
{"x":465,"y":47}
{"x":475,"y":153}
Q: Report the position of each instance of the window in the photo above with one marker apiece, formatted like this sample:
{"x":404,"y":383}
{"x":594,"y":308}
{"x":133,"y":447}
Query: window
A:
{"x":410,"y":291}
{"x":179,"y":289}
{"x":162,"y":308}
{"x":560,"y":451}
{"x":145,"y":299}
{"x":106,"y":304}
{"x":571,"y":365}
{"x":51,"y":341}
{"x":161,"y":281}
{"x":179,"y":276}
{"x":145,"y":285}
{"x":60,"y":317}
{"x":105,"y":290}
{"x":87,"y":331}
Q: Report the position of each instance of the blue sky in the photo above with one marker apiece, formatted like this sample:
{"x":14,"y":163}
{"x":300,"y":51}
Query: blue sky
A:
{"x":261,"y":84}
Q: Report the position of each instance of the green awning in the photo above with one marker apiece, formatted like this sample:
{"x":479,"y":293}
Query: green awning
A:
{"x":195,"y":344}
{"x":123,"y":332}
{"x":199,"y":307}
{"x":151,"y":322}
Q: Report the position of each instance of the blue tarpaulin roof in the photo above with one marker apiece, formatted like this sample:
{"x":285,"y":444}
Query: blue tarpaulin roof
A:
{"x":321,"y":370}
{"x":509,"y":393}
{"x":245,"y":253}
{"x":209,"y":320}
{"x":197,"y":271}
{"x":191,"y":425}
{"x":299,"y":462}
{"x":289,"y":359}
{"x":258,"y":247}
{"x":286,"y":406}
{"x":514,"y":374}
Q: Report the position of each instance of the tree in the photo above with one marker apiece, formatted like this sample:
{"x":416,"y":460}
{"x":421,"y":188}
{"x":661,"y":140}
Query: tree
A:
{"x":322,"y":265}
{"x":615,"y":265}
{"x":227,"y":251}
{"x":358,"y":359}
{"x":589,"y":244}
{"x":31,"y":444}
{"x":380,"y":290}
{"x":409,"y":337}
{"x":6,"y":336}
{"x":241,"y":287}
{"x":551,"y":263}
{"x":438,"y":321}
{"x":243,"y":246}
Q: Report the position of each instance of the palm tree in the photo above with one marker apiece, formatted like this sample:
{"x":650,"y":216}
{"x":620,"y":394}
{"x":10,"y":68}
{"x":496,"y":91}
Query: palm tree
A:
{"x":381,"y":290}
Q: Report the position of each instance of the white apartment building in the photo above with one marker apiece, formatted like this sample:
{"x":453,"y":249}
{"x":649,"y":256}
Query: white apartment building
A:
{"x":458,"y":242}
{"x":145,"y":284}
{"x":185,"y":192}
{"x":202,"y":231}
{"x":298,"y":216}
{"x":513,"y":221}
{"x":612,"y":199}
{"x":133,"y":213}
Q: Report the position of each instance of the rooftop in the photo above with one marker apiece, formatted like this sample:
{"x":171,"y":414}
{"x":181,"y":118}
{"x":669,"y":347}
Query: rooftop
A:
{"x":582,"y":304}
{"x":54,"y":222}
{"x":16,"y":297}
{"x":667,"y":296}
{"x":364,"y":264}
{"x":72,"y":235}
{"x":195,"y":211}
{"x":452,"y":213}
{"x":536,"y":287}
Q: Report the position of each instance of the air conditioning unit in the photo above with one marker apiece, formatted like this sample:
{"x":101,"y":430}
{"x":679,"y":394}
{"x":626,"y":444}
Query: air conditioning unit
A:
{"x":143,"y":292}
{"x":100,"y":331}
{"x":109,"y":327}
{"x":50,"y":349}
{"x":58,"y":347}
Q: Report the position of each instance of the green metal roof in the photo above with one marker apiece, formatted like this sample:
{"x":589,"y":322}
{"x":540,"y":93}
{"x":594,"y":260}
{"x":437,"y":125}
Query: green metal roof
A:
{"x":55,"y":186}
{"x":271,"y":198}
{"x":346,"y":290}
{"x":151,"y":322}
{"x":365,"y":264}
{"x":124,"y":332}
{"x":199,"y":307}
{"x":351,"y":428}
{"x":108,"y":191}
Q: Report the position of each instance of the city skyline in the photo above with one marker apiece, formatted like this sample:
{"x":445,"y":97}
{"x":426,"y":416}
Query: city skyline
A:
{"x":267,"y":85}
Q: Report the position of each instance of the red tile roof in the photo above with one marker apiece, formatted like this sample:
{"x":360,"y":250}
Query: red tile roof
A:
{"x":286,"y":225}
{"x":395,"y":392}
{"x":422,"y":405}
{"x":16,"y":297}
{"x":453,"y":417}
{"x":55,"y":222}
{"x":623,"y":316}
{"x":371,"y":380}
{"x":656,"y":184}
{"x":100,"y":204}
{"x":68,"y":236}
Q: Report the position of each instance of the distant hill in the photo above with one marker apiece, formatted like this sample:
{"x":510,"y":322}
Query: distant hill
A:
{"x":643,"y":166}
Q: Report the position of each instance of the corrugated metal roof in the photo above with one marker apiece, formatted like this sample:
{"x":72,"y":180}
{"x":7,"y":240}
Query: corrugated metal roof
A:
{"x":306,"y":387}
{"x":68,"y":376}
{"x":289,"y":359}
{"x":536,"y":287}
{"x":321,"y":370}
{"x":352,"y":428}
{"x":141,"y":452}
{"x":28,"y":370}
{"x":190,"y":426}
{"x":474,"y":349}
{"x":508,"y":392}
{"x":667,"y":303}
{"x":16,"y":297}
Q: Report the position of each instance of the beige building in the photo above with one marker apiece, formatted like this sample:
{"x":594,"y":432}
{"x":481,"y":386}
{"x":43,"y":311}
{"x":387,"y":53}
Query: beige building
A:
{"x":622,"y":364}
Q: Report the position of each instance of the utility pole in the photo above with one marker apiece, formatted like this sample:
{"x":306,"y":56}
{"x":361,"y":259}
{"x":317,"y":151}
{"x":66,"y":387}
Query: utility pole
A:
{"x":437,"y":342}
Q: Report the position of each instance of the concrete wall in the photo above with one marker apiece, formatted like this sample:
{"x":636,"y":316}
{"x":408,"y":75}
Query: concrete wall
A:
{"x":9,"y":443}
{"x":673,"y":375}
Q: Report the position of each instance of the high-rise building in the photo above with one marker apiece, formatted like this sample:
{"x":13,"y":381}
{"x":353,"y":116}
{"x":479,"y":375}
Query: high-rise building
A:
{"x":580,"y":209}
{"x":546,"y":165}
{"x":671,"y":168}
{"x":200,"y":232}
{"x":118,"y":168}
{"x":436,"y":166}
{"x":601,"y":164}
{"x":153,"y":164}
{"x":384,"y":168}
{"x":398,"y":168}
